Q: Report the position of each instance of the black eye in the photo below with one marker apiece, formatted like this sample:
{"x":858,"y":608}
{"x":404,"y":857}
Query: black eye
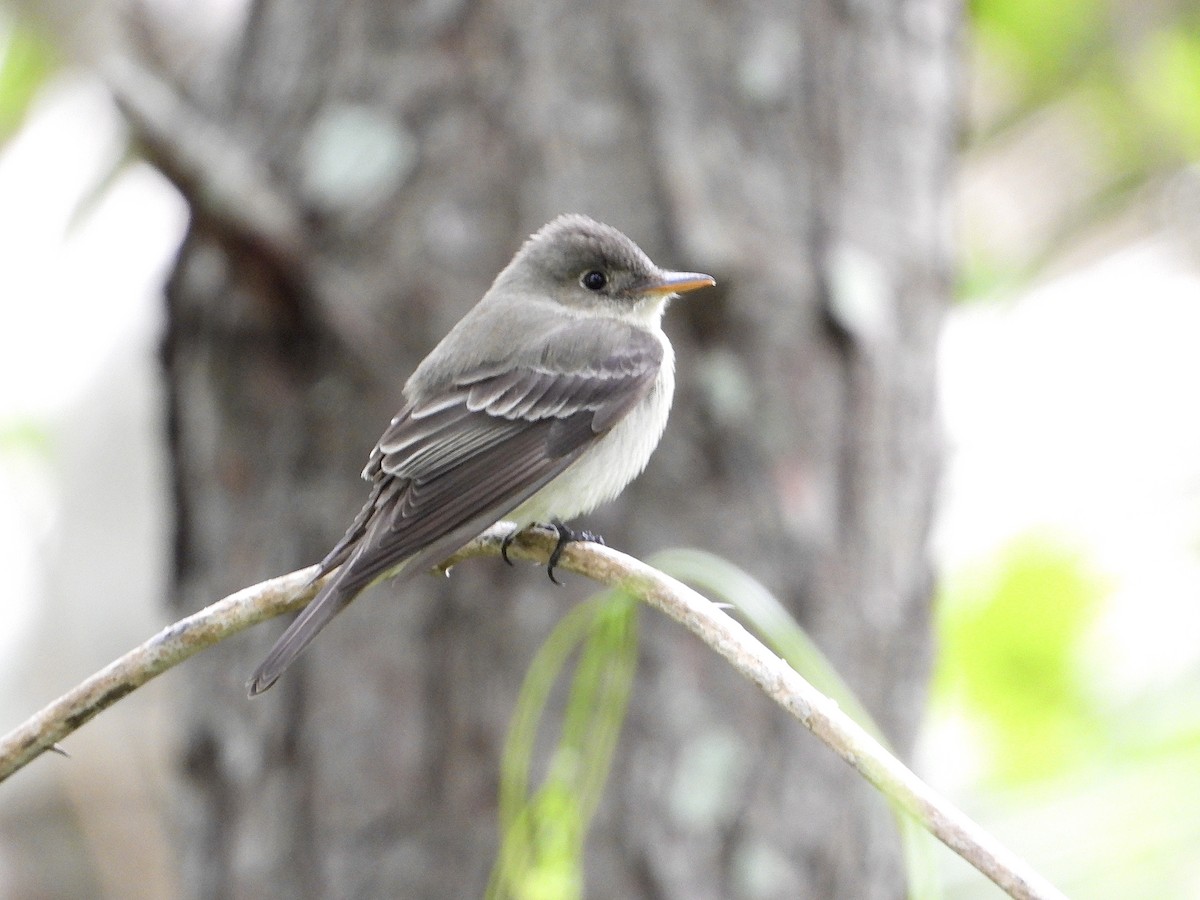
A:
{"x":594,"y":280}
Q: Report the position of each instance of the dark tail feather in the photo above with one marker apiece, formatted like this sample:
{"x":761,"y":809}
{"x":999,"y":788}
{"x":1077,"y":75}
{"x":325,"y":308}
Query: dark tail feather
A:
{"x":359,"y":570}
{"x":330,"y":601}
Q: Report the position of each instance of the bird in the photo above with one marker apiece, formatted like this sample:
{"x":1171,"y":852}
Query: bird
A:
{"x":544,"y":401}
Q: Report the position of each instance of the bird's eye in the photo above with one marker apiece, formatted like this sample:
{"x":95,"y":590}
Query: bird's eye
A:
{"x":594,"y":280}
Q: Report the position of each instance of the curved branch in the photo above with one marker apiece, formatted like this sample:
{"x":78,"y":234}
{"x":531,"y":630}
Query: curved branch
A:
{"x":703,"y":618}
{"x":165,"y":650}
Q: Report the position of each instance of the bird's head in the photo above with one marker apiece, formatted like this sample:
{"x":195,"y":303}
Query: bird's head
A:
{"x":593,"y":269}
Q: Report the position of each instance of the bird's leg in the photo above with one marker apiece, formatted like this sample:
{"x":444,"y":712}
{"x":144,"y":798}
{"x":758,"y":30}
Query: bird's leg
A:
{"x":507,"y":542}
{"x":567,"y":536}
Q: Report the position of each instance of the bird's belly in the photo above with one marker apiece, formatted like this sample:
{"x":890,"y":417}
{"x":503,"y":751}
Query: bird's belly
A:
{"x":604,"y":470}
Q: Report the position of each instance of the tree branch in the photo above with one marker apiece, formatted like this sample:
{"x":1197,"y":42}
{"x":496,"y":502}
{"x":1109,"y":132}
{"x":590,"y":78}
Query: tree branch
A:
{"x":167,"y":649}
{"x":216,"y":173}
{"x":233,"y":191}
{"x":703,"y":618}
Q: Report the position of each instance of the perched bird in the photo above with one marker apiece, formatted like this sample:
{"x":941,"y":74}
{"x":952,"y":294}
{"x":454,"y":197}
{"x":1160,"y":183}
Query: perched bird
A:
{"x":543,"y":402}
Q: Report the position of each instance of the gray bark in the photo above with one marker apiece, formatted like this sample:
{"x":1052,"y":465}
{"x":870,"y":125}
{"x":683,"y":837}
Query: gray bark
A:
{"x":800,"y":153}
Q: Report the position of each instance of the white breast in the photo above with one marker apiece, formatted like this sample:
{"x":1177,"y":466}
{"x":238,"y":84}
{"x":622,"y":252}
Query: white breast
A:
{"x":604,"y":470}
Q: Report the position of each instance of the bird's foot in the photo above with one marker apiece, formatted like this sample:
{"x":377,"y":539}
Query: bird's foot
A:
{"x":507,"y":542}
{"x":567,"y":536}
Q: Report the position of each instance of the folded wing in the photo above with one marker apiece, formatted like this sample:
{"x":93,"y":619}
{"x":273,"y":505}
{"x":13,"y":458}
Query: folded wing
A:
{"x":457,"y":460}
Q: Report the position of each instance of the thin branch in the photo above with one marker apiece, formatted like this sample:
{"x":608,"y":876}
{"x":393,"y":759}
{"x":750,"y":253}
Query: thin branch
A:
{"x":165,"y":650}
{"x":209,"y":165}
{"x":232,"y":190}
{"x":703,"y":618}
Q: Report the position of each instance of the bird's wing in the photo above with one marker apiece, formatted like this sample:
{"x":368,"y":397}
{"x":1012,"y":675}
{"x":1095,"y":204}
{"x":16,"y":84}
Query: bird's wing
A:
{"x":456,"y":460}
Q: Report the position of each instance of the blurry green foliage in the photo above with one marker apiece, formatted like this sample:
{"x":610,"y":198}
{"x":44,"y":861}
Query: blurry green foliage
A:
{"x":1101,"y":97}
{"x":22,"y":435}
{"x":1039,"y":43}
{"x":542,"y":830}
{"x":1097,"y":781}
{"x":982,"y":274}
{"x":1011,"y":638}
{"x":26,"y":61}
{"x":1137,"y":69}
{"x":1167,"y":85}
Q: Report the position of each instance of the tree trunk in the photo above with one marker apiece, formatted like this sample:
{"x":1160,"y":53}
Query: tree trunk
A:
{"x":799,"y":152}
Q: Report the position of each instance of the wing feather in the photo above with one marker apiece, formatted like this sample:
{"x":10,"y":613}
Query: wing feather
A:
{"x":464,"y":454}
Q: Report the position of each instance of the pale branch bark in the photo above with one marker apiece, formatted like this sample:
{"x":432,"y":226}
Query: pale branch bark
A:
{"x":164,"y":651}
{"x":703,"y":618}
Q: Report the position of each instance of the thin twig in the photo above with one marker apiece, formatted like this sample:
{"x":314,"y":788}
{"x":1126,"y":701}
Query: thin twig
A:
{"x":606,"y":566}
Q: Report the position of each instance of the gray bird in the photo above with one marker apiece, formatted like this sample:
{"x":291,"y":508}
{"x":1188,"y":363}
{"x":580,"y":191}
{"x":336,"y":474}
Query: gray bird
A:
{"x":543,"y":402}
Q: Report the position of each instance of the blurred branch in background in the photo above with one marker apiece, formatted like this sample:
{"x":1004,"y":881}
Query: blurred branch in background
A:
{"x":1085,"y":128}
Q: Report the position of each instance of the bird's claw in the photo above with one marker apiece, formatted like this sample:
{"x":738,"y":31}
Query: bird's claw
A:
{"x":506,"y":543}
{"x":567,"y":536}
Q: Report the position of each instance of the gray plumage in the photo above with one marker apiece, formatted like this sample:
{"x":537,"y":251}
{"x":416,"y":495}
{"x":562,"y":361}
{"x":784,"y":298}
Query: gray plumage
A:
{"x":544,"y":401}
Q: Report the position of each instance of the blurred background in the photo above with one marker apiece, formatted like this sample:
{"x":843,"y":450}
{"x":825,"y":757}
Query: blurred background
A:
{"x":1065,"y":711}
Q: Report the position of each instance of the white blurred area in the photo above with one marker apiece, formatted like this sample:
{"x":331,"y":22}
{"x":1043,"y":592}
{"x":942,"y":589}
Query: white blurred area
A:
{"x":1071,"y":412}
{"x":84,"y":525}
{"x":1070,"y":408}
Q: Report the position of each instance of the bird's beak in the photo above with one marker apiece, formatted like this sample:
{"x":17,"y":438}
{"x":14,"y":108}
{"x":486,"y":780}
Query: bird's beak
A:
{"x":675,"y":283}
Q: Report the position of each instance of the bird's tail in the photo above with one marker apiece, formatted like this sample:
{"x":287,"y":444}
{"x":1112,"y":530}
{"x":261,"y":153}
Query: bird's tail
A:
{"x":360,"y":564}
{"x":330,"y":600}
